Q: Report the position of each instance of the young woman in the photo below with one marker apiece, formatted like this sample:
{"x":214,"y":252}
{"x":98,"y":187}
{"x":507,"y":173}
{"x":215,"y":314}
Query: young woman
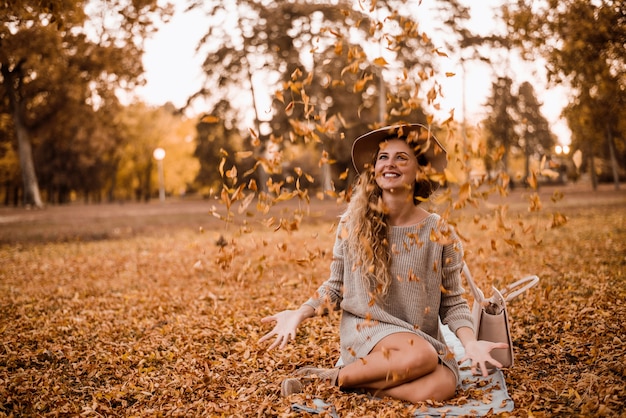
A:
{"x":395,"y":273}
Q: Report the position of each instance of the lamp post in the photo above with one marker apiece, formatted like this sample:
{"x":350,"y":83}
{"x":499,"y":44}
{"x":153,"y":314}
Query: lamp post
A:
{"x":561,"y":149}
{"x":562,"y":152}
{"x":159,"y":155}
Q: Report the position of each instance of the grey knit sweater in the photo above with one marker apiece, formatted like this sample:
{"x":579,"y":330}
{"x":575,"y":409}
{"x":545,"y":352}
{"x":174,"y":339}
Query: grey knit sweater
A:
{"x":426,"y":263}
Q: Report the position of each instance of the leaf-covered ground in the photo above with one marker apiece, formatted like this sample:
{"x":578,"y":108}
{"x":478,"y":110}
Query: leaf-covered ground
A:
{"x":127,"y":320}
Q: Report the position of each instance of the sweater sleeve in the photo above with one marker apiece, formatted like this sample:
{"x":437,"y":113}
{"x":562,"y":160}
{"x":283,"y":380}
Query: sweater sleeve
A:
{"x":330,"y":294}
{"x":454,"y":309}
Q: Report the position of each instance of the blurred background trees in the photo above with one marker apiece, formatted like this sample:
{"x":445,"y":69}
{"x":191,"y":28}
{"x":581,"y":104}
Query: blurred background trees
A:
{"x":584,"y":45}
{"x":287,"y":88}
{"x":63,"y":64}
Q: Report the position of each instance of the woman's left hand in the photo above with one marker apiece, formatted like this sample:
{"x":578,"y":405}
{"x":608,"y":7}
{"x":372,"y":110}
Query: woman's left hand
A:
{"x":479,"y":352}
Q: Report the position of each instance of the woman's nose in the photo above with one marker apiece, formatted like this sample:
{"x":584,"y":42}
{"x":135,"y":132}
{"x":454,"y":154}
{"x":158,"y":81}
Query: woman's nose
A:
{"x":389,"y":163}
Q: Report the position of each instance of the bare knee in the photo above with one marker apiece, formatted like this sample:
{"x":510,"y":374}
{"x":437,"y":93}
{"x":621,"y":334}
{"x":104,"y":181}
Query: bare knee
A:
{"x":409,"y":355}
{"x":424,"y":360}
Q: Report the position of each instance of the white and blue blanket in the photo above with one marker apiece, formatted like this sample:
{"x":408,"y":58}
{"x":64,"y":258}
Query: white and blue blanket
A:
{"x":497,"y":401}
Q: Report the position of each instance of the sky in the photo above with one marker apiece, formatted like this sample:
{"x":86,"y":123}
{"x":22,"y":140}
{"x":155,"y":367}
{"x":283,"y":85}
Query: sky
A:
{"x":173,"y":70}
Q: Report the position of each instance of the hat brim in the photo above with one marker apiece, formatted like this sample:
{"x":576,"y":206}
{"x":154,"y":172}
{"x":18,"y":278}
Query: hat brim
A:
{"x":365,"y":147}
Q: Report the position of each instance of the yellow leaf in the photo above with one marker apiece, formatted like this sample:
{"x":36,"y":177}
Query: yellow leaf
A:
{"x":450,"y":177}
{"x":338,"y":48}
{"x":380,"y":61}
{"x":210,"y":119}
{"x":440,"y":53}
{"x":360,"y":85}
{"x":549,"y":173}
{"x":279,"y":96}
{"x":513,"y":243}
{"x":232,"y":173}
{"x":245,"y":203}
{"x":243,"y":154}
{"x":535,"y":203}
{"x":532,"y":180}
{"x":289,"y":108}
{"x":221,"y":167}
{"x":558,"y":219}
{"x":577,"y":159}
{"x":296,"y":74}
{"x":285,"y":196}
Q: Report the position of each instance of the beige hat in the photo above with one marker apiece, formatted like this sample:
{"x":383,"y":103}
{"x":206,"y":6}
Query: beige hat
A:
{"x":366,"y":146}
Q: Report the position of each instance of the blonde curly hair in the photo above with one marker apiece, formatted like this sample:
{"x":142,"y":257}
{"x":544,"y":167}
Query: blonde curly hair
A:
{"x":366,"y":226}
{"x":365,"y":223}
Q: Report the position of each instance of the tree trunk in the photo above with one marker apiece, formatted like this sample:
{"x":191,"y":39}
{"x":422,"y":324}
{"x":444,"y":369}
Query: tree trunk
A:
{"x":12,"y":79}
{"x":592,"y":171}
{"x":263,"y":176}
{"x":25,"y":152}
{"x":527,"y":161}
{"x":609,"y":139}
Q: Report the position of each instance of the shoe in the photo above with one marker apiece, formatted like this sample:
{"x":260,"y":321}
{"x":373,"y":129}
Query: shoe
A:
{"x":330,"y":375}
{"x":290,"y":386}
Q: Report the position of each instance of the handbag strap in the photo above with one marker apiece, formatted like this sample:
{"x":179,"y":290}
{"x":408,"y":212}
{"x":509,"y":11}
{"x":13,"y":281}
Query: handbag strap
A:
{"x":479,"y":296}
{"x":517,"y":288}
{"x":508,"y":293}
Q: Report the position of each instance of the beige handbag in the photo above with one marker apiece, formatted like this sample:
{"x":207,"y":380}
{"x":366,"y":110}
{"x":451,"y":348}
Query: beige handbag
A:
{"x":491,"y":321}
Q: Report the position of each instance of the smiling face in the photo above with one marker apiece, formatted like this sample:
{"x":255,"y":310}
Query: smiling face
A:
{"x":396,"y":167}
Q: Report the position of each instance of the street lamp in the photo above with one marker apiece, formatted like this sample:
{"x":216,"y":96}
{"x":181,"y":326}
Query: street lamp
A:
{"x":562,"y":149}
{"x":159,"y":155}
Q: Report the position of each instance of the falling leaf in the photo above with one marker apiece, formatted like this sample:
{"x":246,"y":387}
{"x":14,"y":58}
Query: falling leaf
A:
{"x":450,"y":177}
{"x":440,"y":53}
{"x":221,"y":167}
{"x":380,"y":61}
{"x":279,"y":96}
{"x":577,"y":159}
{"x":243,"y":154}
{"x":210,"y":119}
{"x":558,"y":219}
{"x":232,"y":173}
{"x":532,"y":180}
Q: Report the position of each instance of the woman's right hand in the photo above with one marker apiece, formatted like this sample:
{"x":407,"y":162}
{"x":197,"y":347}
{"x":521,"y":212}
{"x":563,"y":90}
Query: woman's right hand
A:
{"x":287,"y":323}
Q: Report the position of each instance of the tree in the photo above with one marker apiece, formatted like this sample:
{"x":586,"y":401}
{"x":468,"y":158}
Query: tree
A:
{"x":583,"y":44}
{"x":516,"y":125}
{"x":334,"y":69}
{"x":536,"y":137}
{"x":9,"y":169}
{"x":142,"y":129}
{"x":500,"y":124}
{"x":216,"y":139}
{"x":55,"y":57}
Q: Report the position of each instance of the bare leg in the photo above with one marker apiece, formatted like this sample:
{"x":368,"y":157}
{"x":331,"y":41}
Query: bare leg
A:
{"x":404,"y":366}
{"x":439,"y":385}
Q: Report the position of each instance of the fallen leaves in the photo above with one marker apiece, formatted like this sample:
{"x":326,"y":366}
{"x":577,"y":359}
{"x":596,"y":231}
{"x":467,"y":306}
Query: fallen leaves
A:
{"x":169,"y":323}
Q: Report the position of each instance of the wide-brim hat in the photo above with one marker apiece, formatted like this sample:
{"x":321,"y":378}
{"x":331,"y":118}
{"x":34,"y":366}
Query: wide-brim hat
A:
{"x":420,"y":137}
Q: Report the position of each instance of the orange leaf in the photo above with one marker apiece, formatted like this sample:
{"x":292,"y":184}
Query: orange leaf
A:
{"x":210,"y":119}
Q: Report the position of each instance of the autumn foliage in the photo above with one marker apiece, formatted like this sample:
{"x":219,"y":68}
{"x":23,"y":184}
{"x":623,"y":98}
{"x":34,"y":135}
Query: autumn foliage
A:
{"x":108,"y":314}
